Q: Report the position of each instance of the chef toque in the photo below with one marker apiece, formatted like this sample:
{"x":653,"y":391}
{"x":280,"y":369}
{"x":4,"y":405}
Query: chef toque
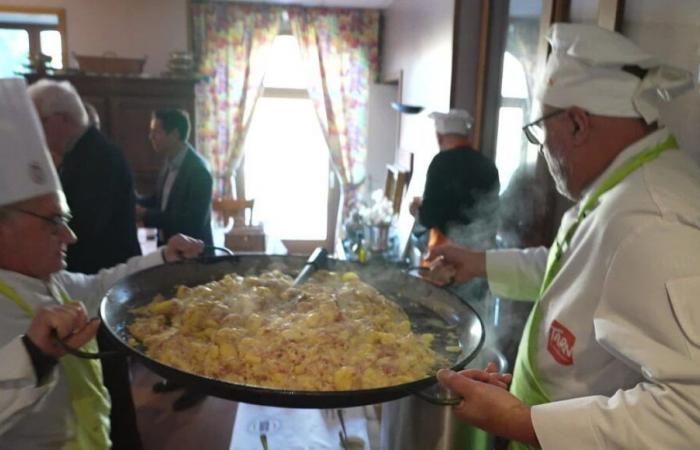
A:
{"x":457,"y":121}
{"x":585,"y":69}
{"x":26,"y":170}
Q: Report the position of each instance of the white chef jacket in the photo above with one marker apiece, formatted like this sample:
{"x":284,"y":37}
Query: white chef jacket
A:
{"x":619,"y":341}
{"x":34,"y":417}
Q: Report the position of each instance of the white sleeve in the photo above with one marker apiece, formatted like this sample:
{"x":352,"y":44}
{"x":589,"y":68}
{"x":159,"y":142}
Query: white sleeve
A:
{"x":90,"y":289}
{"x":516,"y":274}
{"x":18,"y":390}
{"x":649,"y":319}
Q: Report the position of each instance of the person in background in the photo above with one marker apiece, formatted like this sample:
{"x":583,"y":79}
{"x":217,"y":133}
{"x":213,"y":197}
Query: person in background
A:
{"x":98,"y":185}
{"x":93,"y":116}
{"x":70,"y":408}
{"x":181,"y":203}
{"x":95,"y":177}
{"x":460,"y":199}
{"x":610,"y":355}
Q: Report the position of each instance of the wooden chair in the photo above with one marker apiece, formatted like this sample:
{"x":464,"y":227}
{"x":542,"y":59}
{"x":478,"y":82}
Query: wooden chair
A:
{"x":395,"y":185}
{"x":242,"y":236}
{"x":234,"y":209}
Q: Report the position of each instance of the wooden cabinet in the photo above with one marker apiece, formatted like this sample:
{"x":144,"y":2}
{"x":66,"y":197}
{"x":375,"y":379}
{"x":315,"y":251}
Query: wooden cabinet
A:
{"x":125,"y":105}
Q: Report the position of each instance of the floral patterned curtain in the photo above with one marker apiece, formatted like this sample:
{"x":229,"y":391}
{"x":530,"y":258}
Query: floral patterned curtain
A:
{"x":231,"y":42}
{"x":341,"y":50}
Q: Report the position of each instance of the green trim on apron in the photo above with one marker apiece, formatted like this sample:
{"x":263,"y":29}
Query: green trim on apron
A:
{"x":90,"y":401}
{"x":526,"y":384}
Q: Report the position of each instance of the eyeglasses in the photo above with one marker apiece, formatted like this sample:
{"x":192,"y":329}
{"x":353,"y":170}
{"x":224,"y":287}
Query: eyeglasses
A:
{"x":534,"y":131}
{"x":57,"y":220}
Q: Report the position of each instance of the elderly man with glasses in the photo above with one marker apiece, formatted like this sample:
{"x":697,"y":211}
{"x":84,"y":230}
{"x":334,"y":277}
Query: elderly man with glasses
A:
{"x":45,"y":402}
{"x":610,"y":355}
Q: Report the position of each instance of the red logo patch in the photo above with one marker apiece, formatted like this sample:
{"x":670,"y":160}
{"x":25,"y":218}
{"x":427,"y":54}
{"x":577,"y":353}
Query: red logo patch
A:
{"x":561,"y":344}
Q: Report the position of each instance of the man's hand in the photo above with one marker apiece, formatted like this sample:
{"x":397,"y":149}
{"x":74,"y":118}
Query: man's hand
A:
{"x":182,"y":247}
{"x":463,"y":263}
{"x":486,"y":403}
{"x":415,"y":205}
{"x":70,"y":322}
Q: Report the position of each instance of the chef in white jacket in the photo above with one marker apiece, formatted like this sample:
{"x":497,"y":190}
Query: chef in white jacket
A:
{"x":610,"y":355}
{"x":47,"y":403}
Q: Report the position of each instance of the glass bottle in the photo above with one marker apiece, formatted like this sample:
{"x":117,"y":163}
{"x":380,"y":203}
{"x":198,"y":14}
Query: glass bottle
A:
{"x":359,"y":249}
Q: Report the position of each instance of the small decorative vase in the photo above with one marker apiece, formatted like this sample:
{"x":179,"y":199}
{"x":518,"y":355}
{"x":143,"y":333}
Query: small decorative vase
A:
{"x":378,"y":237}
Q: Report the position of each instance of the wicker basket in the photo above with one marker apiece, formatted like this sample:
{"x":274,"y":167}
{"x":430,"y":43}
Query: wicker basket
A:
{"x":110,"y":63}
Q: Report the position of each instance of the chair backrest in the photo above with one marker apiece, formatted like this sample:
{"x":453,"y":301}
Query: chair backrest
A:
{"x":395,"y":185}
{"x":231,"y":208}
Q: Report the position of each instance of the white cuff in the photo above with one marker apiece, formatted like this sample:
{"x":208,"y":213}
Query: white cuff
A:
{"x":565,"y":424}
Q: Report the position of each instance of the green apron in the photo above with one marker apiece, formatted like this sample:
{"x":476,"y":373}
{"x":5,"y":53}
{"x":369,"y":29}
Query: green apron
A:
{"x":526,"y":384}
{"x":89,"y":424}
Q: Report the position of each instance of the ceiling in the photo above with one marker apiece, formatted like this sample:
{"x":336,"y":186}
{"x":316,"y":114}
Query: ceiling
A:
{"x":369,"y":4}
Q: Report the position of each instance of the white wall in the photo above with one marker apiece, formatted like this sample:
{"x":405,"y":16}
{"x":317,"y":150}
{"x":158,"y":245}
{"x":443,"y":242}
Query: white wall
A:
{"x":130,"y":28}
{"x":381,"y":133}
{"x":418,"y":41}
{"x":669,"y":29}
{"x":677,"y":43}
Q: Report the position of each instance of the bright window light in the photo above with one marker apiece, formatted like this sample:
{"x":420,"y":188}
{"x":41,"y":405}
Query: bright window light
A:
{"x":512,"y":148}
{"x":286,"y":163}
{"x":51,"y":45}
{"x":508,"y":143}
{"x":514,"y":83}
{"x":14,"y":48}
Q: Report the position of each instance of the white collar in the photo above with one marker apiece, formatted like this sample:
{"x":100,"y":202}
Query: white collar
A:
{"x":630,"y":152}
{"x":21,"y":282}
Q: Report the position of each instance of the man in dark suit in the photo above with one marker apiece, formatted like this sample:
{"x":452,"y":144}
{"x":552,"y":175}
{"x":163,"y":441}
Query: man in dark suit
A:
{"x":181,"y":203}
{"x":96,"y":179}
{"x":99,"y":190}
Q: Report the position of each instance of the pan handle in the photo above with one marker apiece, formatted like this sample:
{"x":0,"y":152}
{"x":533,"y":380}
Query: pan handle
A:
{"x":439,"y":395}
{"x":204,"y":258}
{"x":420,"y":269}
{"x":81,"y":354}
{"x":214,"y":248}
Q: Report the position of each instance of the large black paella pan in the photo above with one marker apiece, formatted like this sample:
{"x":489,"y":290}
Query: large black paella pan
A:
{"x":430,"y":309}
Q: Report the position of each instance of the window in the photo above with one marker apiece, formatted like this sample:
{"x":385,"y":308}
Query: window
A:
{"x":286,"y":166}
{"x":26,"y":34}
{"x":517,"y":83}
{"x":512,"y":148}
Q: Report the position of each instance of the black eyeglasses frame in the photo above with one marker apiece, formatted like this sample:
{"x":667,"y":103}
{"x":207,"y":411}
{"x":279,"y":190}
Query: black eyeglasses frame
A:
{"x":57,"y":220}
{"x":530,"y":135}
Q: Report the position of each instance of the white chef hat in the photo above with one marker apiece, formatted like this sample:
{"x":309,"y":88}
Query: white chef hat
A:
{"x":586,"y":69}
{"x":457,"y":121}
{"x":26,"y":170}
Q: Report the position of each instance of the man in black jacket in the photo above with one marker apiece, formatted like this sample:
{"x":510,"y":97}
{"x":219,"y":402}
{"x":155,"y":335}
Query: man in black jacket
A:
{"x":462,"y":184}
{"x":99,"y":189}
{"x":181,"y":203}
{"x":96,"y":179}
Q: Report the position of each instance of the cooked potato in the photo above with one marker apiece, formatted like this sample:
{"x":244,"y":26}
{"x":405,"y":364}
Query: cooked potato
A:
{"x":332,"y":333}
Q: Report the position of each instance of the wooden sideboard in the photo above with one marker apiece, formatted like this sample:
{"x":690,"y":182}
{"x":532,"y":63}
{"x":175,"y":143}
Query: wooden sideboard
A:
{"x":125,"y":105}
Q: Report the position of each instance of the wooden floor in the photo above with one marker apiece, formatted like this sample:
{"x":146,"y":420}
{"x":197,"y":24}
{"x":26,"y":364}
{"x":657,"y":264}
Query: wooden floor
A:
{"x":207,"y":426}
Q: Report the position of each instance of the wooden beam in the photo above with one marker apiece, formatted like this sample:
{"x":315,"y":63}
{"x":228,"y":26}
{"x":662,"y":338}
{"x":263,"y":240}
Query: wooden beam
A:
{"x":481,"y":71}
{"x":610,"y":14}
